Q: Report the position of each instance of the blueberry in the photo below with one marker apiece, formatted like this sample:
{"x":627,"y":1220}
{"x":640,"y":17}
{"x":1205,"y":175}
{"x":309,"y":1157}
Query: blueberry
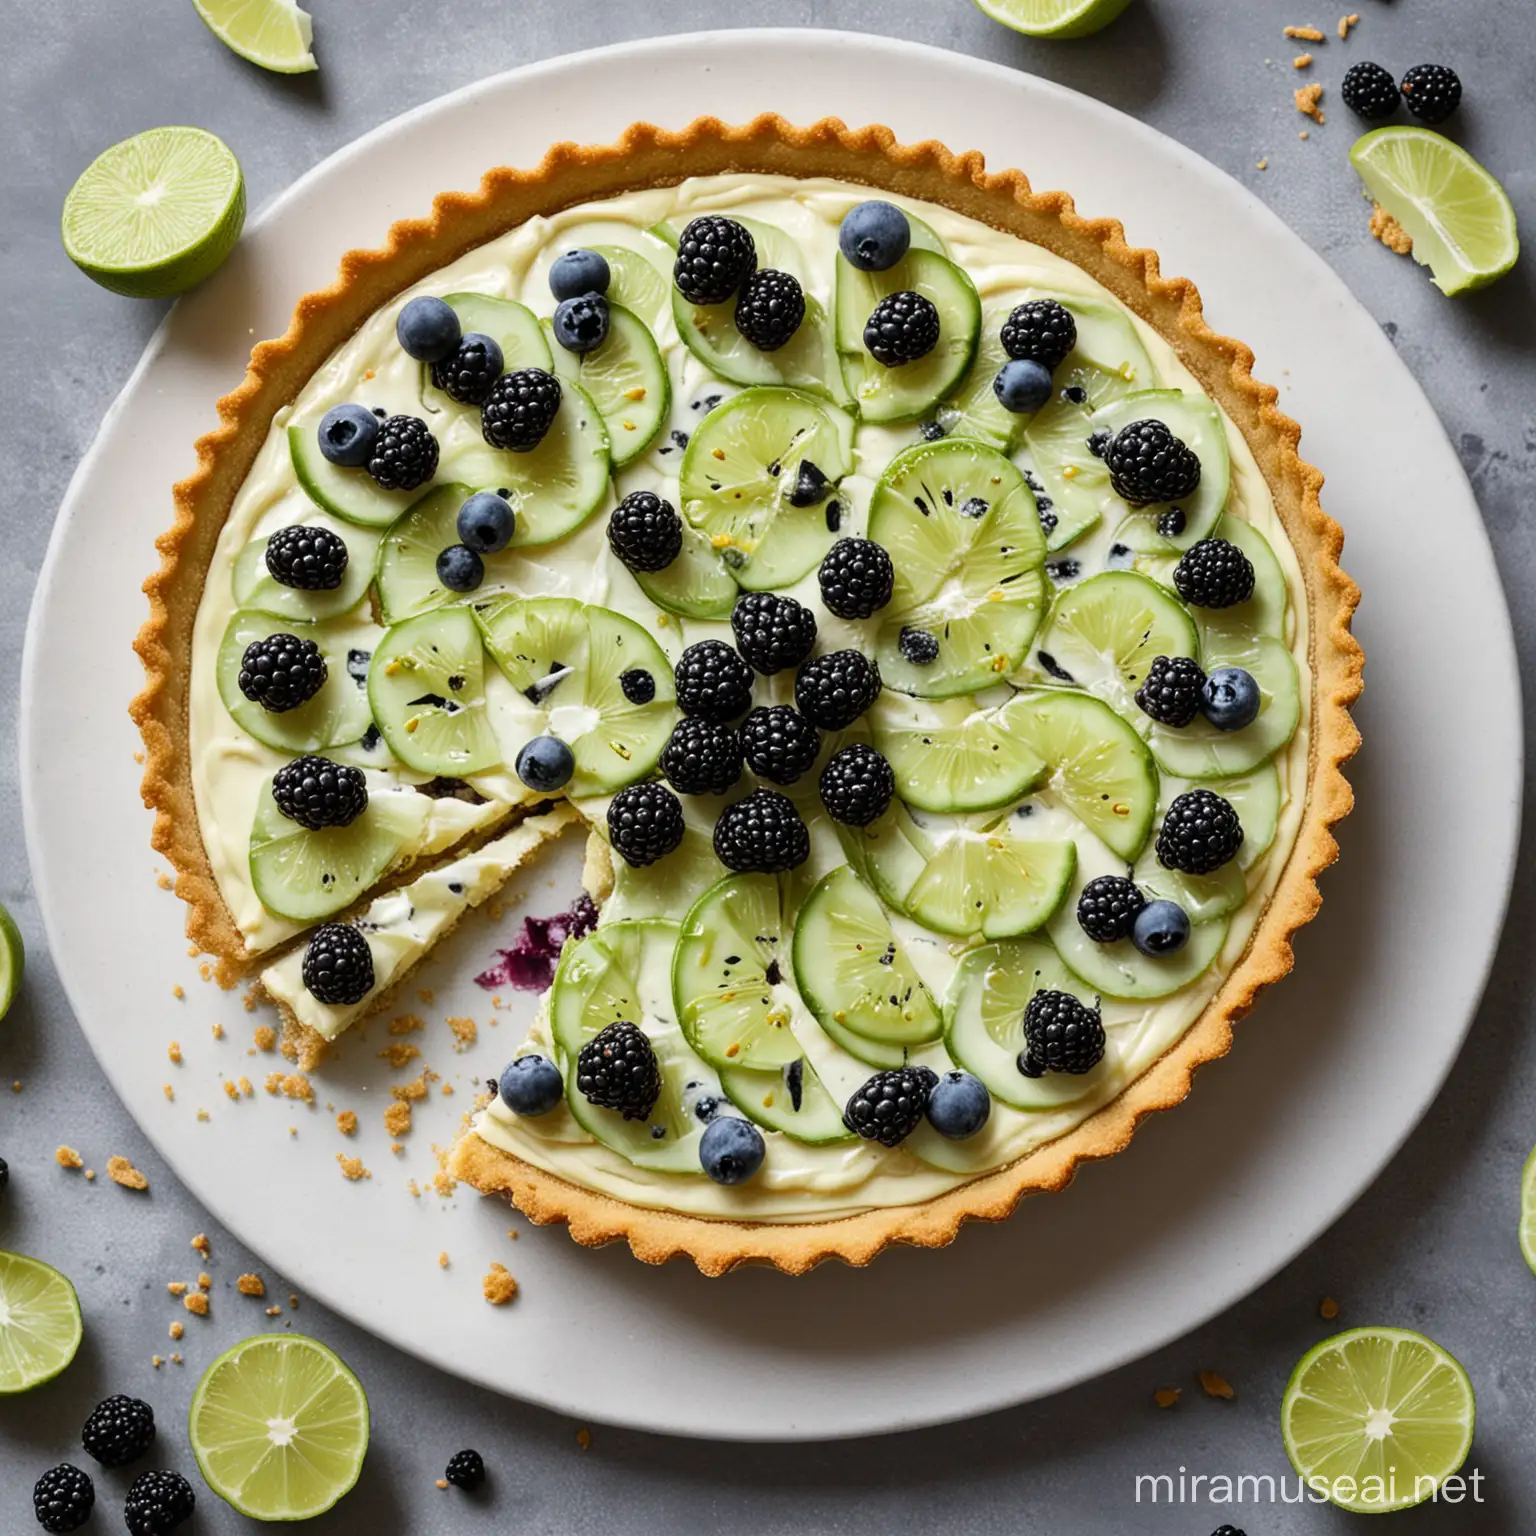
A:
{"x":486,"y":523}
{"x":545,"y":764}
{"x":531,"y":1085}
{"x":347,"y":435}
{"x":578,"y":272}
{"x":582,"y":323}
{"x":731,"y":1150}
{"x":1231,"y":699}
{"x":959,"y":1105}
{"x":1022,"y":386}
{"x":874,"y":236}
{"x":460,"y":569}
{"x":1161,"y":928}
{"x":428,"y":329}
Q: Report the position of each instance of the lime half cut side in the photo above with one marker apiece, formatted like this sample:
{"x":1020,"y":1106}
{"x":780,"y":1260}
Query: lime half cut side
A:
{"x":1528,"y":1210}
{"x":1378,"y":1418}
{"x":153,"y":216}
{"x":279,"y":1427}
{"x":1461,"y":221}
{"x":272,"y":33}
{"x":1054,"y":18}
{"x":39,"y":1323}
{"x":13,"y":957}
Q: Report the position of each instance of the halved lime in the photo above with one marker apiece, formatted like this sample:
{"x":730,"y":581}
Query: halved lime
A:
{"x":1462,"y":224}
{"x":13,"y":959}
{"x":1528,"y":1210}
{"x":272,"y":33}
{"x":279,"y":1426}
{"x":1377,"y":1418}
{"x":39,"y":1323}
{"x":1054,"y":18}
{"x":153,"y":216}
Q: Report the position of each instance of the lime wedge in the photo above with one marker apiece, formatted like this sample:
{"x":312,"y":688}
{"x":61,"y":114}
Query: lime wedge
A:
{"x":156,"y":214}
{"x":13,"y":958}
{"x":1378,"y":1417}
{"x":279,"y":1427}
{"x":1054,"y":18}
{"x":1462,"y":224}
{"x":1528,"y":1210}
{"x":272,"y":33}
{"x":39,"y":1323}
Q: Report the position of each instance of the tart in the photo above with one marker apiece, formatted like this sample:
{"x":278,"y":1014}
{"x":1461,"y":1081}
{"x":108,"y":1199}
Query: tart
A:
{"x":926,"y":616}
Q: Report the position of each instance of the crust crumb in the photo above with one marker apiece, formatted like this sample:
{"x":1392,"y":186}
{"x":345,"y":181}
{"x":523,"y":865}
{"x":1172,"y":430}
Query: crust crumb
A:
{"x":399,"y":1054}
{"x":415,"y":1089}
{"x":1263,"y":164}
{"x":175,"y":1359}
{"x":444,"y":1184}
{"x":397,"y":1118}
{"x":67,"y":1157}
{"x":584,"y":1438}
{"x":176,"y":1287}
{"x":352,"y":1168}
{"x":251,"y":1285}
{"x":274,"y":1311}
{"x":247,"y":1088}
{"x":442,"y":1259}
{"x":121,"y":1171}
{"x":1307,"y":98}
{"x":1216,"y":1386}
{"x":1328,"y":1309}
{"x":178,"y":991}
{"x":407,"y":1024}
{"x":426,"y":994}
{"x":90,"y":1175}
{"x":464,"y":1032}
{"x":196,"y":1302}
{"x":1301,"y":61}
{"x":176,"y":1330}
{"x":1345,"y":23}
{"x":173,"y":1050}
{"x":498,"y":1287}
{"x":293,"y":1301}
{"x":442,"y":1482}
{"x":231,"y":1088}
{"x":202,"y":1114}
{"x":218,"y":1031}
{"x":202,"y":1245}
{"x":1305,"y":34}
{"x":205,"y":1281}
{"x":346,"y":1122}
{"x":156,"y":1361}
{"x":1391,"y":234}
{"x":170,"y":1093}
{"x":265,"y":1037}
{"x":1166,"y":1397}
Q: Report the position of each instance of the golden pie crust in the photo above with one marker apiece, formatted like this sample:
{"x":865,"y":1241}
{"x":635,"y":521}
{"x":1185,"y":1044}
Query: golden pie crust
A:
{"x":647,"y":156}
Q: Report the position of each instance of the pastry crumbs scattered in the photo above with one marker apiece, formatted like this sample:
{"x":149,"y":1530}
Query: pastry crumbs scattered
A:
{"x":1328,"y":1309}
{"x":274,"y":1311}
{"x":1301,"y":61}
{"x":464,"y":1032}
{"x":1166,"y":1397}
{"x":346,"y":1122}
{"x":1216,"y":1386}
{"x":250,"y":1285}
{"x":249,"y":1000}
{"x":178,"y":991}
{"x":397,"y":1147}
{"x":174,"y":1051}
{"x":170,"y":1093}
{"x":202,"y":1114}
{"x":293,"y":1301}
{"x":121,"y":1171}
{"x":90,"y":1175}
{"x":138,"y":757}
{"x":231,"y":1089}
{"x":584,"y":1438}
{"x":156,"y":1361}
{"x":397,"y":1118}
{"x":265,"y":1037}
{"x":1305,"y":34}
{"x":164,"y":881}
{"x":407,"y":1024}
{"x":247,"y":1088}
{"x":176,"y":1330}
{"x":205,"y":1281}
{"x":443,"y":1184}
{"x":415,"y":1089}
{"x":201,"y":1244}
{"x":1391,"y":234}
{"x":176,"y":1287}
{"x":197,"y":1302}
{"x":67,"y":1157}
{"x":1264,"y":164}
{"x":1304,"y":134}
{"x":442,"y":1482}
{"x":399,"y":1054}
{"x":1345,"y":23}
{"x":297,"y":1086}
{"x":442,"y":1259}
{"x":218,"y":1031}
{"x":352,"y":1168}
{"x":426,"y":994}
{"x":498,"y":1287}
{"x":447,"y":1090}
{"x":16,"y":1085}
{"x":175,"y":1359}
{"x":1307,"y":98}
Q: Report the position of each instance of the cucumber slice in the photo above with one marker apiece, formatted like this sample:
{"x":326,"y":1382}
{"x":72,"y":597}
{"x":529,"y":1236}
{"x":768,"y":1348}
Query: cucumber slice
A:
{"x":1256,"y":799}
{"x":426,"y":686}
{"x":973,"y":410}
{"x":337,"y":714}
{"x":697,"y":585}
{"x":850,"y":966}
{"x":407,"y":558}
{"x":914,"y":389}
{"x":350,"y":494}
{"x":565,"y":660}
{"x":513,"y":326}
{"x":1203,"y":897}
{"x":634,"y":283}
{"x":738,"y":468}
{"x":670,"y":884}
{"x":627,"y":381}
{"x":253,"y":586}
{"x":792,"y":1100}
{"x":960,"y":525}
{"x":1121,"y":970}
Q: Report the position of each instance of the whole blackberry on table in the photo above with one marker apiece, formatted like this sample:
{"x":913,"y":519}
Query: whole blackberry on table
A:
{"x":889,"y":1106}
{"x":63,"y":1498}
{"x":779,"y":743}
{"x":1061,"y":1034}
{"x":637,"y":685}
{"x":157,"y":1503}
{"x":856,"y":785}
{"x":701,"y":758}
{"x":1042,"y":331}
{"x":918,"y":646}
{"x":404,"y":454}
{"x":119,"y":1430}
{"x":772,"y":632}
{"x":617,"y":1069}
{"x":467,"y":373}
{"x":712,"y":682}
{"x":645,"y":532}
{"x":1108,"y":907}
{"x":466,"y":1469}
{"x":645,"y":823}
{"x":307,"y":559}
{"x":1214,"y":574}
{"x":1148,"y":463}
{"x":1171,"y":692}
{"x":856,"y":578}
{"x":832,"y":691}
{"x":338,"y":965}
{"x":1431,"y":92}
{"x":715,"y":256}
{"x":1200,"y":833}
{"x":316,"y":793}
{"x":1369,"y":91}
{"x":762,"y":834}
{"x":769,"y":309}
{"x":280,"y":672}
{"x":902,"y":328}
{"x":519,"y":409}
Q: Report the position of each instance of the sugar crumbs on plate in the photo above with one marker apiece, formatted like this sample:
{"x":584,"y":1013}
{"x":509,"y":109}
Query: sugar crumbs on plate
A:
{"x":465,"y":1032}
{"x":265,"y":1038}
{"x":397,"y":1118}
{"x":400,"y":1054}
{"x":346,"y":1122}
{"x":352,"y":1168}
{"x":498,"y":1287}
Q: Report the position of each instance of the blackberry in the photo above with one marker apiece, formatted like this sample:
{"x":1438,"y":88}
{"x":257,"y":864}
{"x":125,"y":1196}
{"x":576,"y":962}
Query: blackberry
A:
{"x":1228,"y":1530}
{"x":715,"y":256}
{"x":1200,"y":833}
{"x":637,"y":685}
{"x":467,"y":373}
{"x":700,"y":758}
{"x":889,"y":1106}
{"x":832,"y":691}
{"x":769,"y":309}
{"x":1369,"y":91}
{"x":645,"y":823}
{"x":1042,"y":331}
{"x":316,"y":793}
{"x":1214,"y":574}
{"x":1431,"y":92}
{"x":918,"y":646}
{"x":1172,"y":691}
{"x":1060,"y":1035}
{"x":645,"y":532}
{"x":761,"y":834}
{"x":772,"y":632}
{"x":1097,"y":442}
{"x":119,"y":1430}
{"x":856,"y":577}
{"x":779,"y":743}
{"x":1148,"y":463}
{"x":309,"y":559}
{"x":338,"y":965}
{"x":466,"y":1469}
{"x":63,"y":1498}
{"x":1170,"y":524}
{"x":903,"y":328}
{"x":281,"y":672}
{"x":617,"y":1069}
{"x":857,"y":785}
{"x":713,"y":682}
{"x":404,"y":454}
{"x":811,"y":485}
{"x":1108,"y":907}
{"x":5,"y":1175}
{"x":157,"y":1503}
{"x":519,"y":409}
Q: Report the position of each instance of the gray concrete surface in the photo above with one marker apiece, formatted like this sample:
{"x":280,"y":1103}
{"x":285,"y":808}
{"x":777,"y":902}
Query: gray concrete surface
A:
{"x":1430,"y":1246}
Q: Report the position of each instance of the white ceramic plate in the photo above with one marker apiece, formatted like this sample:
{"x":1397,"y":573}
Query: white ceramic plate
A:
{"x":1326,"y":1080}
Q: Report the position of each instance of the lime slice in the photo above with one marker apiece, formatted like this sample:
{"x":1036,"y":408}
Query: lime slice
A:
{"x":272,"y":33}
{"x":13,"y":957}
{"x":39,"y":1323}
{"x":1377,"y":1418}
{"x":153,"y":216}
{"x":1054,"y":18}
{"x":1462,"y":224}
{"x":279,"y":1427}
{"x":1528,"y":1210}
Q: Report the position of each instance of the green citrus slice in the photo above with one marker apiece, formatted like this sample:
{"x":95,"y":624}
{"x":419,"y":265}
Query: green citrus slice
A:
{"x":1460,"y":218}
{"x":272,"y":33}
{"x":1377,"y":1418}
{"x":1528,"y":1210}
{"x":13,"y":958}
{"x":1054,"y":18}
{"x":39,"y":1323}
{"x":279,"y":1426}
{"x":153,"y":216}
